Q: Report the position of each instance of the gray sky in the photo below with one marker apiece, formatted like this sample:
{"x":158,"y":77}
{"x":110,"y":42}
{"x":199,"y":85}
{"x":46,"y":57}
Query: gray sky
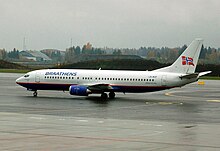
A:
{"x":111,"y":23}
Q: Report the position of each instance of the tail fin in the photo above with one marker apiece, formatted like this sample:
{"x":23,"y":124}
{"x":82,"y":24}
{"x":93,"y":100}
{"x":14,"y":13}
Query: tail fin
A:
{"x":187,"y":61}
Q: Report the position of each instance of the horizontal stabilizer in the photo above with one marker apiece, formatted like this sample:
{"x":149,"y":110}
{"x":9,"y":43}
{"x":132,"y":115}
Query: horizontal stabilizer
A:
{"x":194,"y":75}
{"x":204,"y":73}
{"x":189,"y":76}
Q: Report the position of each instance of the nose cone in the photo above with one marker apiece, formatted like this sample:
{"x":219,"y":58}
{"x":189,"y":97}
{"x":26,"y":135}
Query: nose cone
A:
{"x":18,"y":80}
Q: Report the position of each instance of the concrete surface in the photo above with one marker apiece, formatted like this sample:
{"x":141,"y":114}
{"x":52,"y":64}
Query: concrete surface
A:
{"x":180,"y":119}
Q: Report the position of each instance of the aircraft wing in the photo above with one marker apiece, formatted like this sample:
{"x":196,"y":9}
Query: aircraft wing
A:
{"x":99,"y":87}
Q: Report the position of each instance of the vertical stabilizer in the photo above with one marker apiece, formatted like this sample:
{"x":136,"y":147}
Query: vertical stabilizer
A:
{"x":187,"y":61}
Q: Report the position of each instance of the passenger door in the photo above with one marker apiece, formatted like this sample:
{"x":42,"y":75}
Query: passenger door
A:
{"x":37,"y":77}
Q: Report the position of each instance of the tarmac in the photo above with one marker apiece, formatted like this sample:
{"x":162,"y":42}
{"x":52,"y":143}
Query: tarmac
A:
{"x":183,"y":119}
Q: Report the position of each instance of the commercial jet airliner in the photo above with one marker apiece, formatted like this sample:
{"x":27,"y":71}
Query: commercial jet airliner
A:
{"x":85,"y":82}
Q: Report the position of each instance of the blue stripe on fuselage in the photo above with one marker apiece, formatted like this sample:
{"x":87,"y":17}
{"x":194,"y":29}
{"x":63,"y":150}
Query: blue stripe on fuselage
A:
{"x":139,"y":89}
{"x":46,"y":86}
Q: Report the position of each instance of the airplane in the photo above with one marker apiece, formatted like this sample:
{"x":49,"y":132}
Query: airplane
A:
{"x":85,"y":82}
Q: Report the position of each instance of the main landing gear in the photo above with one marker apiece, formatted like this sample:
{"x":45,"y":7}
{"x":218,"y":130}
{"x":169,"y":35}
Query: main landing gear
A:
{"x":104,"y":95}
{"x":35,"y":94}
{"x":111,"y":95}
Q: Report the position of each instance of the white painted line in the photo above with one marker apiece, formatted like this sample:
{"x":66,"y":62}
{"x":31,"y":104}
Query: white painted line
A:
{"x":37,"y":118}
{"x":62,"y":119}
{"x":82,"y":120}
{"x":157,"y":125}
{"x":168,"y":94}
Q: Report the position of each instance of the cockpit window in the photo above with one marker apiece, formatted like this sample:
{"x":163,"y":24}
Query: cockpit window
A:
{"x":26,"y":75}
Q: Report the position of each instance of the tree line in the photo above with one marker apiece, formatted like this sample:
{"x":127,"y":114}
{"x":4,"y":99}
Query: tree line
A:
{"x":208,"y":55}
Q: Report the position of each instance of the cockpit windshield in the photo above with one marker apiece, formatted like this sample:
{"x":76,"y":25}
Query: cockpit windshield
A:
{"x":26,"y":75}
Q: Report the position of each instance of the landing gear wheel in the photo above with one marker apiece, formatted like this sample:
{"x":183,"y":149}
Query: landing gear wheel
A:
{"x":112,"y":95}
{"x":35,"y":94}
{"x":104,"y":96}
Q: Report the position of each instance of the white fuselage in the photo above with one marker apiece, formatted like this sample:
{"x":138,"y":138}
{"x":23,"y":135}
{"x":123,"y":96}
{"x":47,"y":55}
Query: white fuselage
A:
{"x":118,"y":81}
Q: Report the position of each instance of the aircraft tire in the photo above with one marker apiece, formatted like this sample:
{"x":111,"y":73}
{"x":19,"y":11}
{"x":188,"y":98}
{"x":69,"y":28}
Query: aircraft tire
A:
{"x":112,"y":95}
{"x":104,"y":96}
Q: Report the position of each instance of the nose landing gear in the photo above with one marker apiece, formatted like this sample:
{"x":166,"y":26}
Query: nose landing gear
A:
{"x":35,"y":94}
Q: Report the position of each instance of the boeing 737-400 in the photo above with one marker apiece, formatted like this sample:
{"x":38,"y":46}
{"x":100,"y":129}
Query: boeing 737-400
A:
{"x":85,"y":82}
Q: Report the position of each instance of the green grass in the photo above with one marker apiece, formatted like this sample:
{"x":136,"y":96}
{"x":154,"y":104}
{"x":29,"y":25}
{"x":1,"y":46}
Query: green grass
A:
{"x":14,"y":71}
{"x":210,"y":78}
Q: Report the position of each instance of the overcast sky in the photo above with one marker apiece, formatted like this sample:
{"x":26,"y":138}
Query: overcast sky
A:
{"x":111,"y":23}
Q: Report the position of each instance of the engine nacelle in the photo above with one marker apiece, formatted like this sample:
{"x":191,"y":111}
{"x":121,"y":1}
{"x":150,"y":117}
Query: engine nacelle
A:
{"x":79,"y":90}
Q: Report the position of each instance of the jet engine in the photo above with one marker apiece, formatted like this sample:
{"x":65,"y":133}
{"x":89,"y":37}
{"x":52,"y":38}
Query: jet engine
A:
{"x":79,"y":90}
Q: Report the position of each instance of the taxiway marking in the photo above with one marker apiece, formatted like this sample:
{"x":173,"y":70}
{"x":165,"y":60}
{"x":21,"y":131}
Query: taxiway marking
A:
{"x":217,"y":101}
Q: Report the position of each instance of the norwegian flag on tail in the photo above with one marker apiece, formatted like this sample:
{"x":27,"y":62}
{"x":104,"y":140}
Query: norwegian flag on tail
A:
{"x":187,"y":61}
